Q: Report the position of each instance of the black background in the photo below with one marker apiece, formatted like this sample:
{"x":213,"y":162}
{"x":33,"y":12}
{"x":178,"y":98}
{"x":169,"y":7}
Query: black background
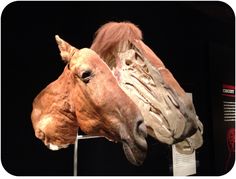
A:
{"x":178,"y":32}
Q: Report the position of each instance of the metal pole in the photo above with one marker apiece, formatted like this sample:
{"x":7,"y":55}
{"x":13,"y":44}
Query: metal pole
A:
{"x":75,"y":156}
{"x":80,"y":137}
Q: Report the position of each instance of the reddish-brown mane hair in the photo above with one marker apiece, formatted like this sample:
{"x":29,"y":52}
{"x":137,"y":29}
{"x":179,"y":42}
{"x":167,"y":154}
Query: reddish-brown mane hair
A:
{"x":111,"y":35}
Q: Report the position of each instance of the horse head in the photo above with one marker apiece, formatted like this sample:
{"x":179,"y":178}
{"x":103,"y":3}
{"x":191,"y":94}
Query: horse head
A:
{"x":87,"y":96}
{"x":168,"y":111}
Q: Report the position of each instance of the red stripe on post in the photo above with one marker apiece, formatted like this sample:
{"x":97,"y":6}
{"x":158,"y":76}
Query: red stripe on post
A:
{"x":228,"y":86}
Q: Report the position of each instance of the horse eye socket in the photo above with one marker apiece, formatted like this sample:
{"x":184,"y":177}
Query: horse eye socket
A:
{"x":86,"y":75}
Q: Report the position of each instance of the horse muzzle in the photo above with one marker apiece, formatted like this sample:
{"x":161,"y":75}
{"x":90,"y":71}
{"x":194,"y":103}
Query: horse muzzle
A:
{"x":134,"y":144}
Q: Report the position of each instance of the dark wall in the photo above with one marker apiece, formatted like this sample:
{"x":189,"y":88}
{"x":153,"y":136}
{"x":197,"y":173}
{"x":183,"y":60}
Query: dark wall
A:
{"x":178,"y":32}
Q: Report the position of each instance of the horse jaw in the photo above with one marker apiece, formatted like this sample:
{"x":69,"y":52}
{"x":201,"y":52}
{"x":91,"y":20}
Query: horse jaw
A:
{"x":134,"y":156}
{"x":135,"y":148}
{"x":47,"y":126}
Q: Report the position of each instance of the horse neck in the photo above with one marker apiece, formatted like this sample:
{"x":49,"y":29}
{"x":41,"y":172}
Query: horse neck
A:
{"x":60,"y":89}
{"x":52,"y":93}
{"x":64,"y":82}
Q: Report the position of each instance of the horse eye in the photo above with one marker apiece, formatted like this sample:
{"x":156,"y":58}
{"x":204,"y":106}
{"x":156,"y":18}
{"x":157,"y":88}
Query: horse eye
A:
{"x":86,"y":75}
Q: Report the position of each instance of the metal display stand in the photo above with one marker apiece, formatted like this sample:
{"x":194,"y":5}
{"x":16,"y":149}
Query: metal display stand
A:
{"x":80,"y":137}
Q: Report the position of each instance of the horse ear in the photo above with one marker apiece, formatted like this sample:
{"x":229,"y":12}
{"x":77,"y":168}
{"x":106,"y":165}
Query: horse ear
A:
{"x":65,"y":48}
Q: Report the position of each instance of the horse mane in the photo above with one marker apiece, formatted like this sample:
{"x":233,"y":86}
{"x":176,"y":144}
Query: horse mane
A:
{"x":111,"y":36}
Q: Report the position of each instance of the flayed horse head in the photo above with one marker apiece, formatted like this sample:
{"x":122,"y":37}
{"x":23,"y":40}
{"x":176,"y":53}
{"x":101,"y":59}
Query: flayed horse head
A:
{"x":87,"y":96}
{"x":168,"y":111}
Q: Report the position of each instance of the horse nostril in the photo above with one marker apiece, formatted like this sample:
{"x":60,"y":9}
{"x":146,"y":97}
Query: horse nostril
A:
{"x":141,"y":128}
{"x":140,"y":133}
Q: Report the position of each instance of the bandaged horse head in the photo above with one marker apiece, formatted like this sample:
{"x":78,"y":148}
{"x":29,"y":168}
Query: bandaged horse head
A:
{"x":87,"y":96}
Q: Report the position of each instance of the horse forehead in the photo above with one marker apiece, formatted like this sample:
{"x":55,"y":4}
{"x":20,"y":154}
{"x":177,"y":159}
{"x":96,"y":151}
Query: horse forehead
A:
{"x":87,"y":52}
{"x":83,"y":56}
